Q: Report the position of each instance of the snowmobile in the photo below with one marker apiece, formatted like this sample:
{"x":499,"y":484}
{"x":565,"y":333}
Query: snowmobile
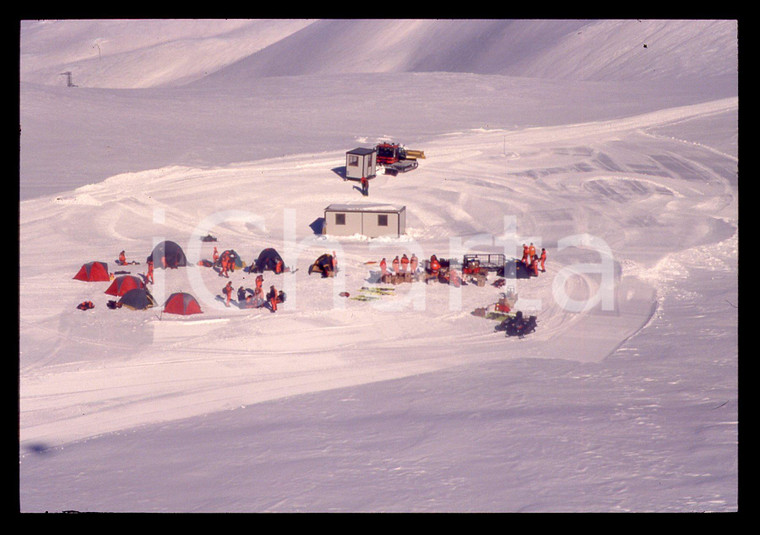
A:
{"x":518,"y":325}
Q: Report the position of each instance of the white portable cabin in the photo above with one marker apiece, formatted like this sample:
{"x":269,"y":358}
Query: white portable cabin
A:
{"x":367,"y":219}
{"x":361,"y":163}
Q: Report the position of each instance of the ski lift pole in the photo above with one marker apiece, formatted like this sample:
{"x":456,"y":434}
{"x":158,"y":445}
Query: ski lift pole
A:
{"x":69,"y":83}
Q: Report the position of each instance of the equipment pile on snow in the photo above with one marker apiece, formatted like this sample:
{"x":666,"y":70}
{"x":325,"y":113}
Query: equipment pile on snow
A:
{"x":500,"y":310}
{"x":442,"y":270}
{"x":477,"y":266}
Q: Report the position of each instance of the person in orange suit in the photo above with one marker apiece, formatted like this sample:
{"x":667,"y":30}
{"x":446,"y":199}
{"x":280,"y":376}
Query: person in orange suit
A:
{"x":435,"y":265}
{"x":273,"y":298}
{"x":383,"y":268}
{"x":225,"y":264}
{"x":413,"y":263}
{"x":215,"y":255}
{"x":149,"y":275}
{"x":531,"y":252}
{"x":395,"y":264}
{"x":543,"y":259}
{"x":525,"y":254}
{"x":228,"y":293}
{"x":404,"y":263}
{"x":122,"y":259}
{"x":365,"y":186}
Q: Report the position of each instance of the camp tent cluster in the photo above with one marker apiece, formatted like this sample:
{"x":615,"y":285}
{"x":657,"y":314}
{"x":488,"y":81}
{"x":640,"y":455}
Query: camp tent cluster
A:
{"x":134,"y":294}
{"x":132,"y":291}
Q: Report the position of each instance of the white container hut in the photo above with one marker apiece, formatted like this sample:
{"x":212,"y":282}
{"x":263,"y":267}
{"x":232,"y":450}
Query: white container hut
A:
{"x":367,"y":219}
{"x":361,"y":163}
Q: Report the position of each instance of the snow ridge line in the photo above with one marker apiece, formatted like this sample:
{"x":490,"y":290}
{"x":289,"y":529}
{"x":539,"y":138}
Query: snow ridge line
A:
{"x":614,"y":126}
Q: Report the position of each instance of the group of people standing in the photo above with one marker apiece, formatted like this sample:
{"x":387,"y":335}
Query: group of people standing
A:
{"x":532,"y":260}
{"x":400,"y":265}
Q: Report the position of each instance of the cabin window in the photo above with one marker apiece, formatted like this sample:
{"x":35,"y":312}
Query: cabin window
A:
{"x":353,"y":160}
{"x":340,"y":219}
{"x":382,"y":220}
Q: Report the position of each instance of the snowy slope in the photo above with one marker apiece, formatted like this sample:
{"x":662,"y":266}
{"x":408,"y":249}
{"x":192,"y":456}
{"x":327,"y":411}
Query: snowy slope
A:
{"x":573,"y":49}
{"x":409,"y":402}
{"x":142,"y":53}
{"x":150,"y":53}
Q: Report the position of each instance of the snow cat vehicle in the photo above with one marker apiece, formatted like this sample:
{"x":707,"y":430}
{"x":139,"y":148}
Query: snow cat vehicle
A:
{"x":397,"y":159}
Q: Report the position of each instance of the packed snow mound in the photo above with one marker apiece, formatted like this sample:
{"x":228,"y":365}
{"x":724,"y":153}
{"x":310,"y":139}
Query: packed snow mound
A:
{"x":151,"y":53}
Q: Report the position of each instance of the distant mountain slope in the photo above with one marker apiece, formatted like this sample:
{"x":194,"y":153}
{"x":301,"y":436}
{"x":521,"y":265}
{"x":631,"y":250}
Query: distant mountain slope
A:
{"x":381,"y":46}
{"x":640,"y":50}
{"x":140,"y":53}
{"x":591,"y":50}
{"x":177,"y":52}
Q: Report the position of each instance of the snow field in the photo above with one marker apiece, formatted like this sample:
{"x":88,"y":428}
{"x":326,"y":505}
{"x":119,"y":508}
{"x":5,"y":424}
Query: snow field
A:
{"x":337,"y":331}
{"x":625,"y":397}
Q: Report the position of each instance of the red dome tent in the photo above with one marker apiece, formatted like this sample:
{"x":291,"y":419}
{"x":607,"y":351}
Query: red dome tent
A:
{"x":123,"y":284}
{"x":182,"y":303}
{"x":93,"y":271}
